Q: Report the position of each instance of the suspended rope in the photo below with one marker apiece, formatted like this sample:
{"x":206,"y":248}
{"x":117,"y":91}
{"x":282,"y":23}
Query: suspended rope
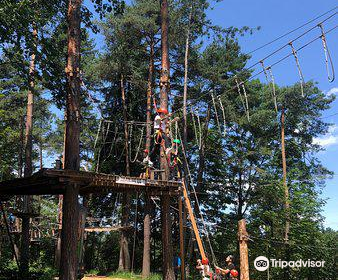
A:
{"x":135,"y":231}
{"x":199,"y":130}
{"x":223,"y":113}
{"x":274,"y":96}
{"x":301,"y":77}
{"x":194,"y":126}
{"x":138,"y":147}
{"x":98,"y":132}
{"x":197,"y":201}
{"x":271,"y":82}
{"x":328,"y":59}
{"x":244,"y":103}
{"x":215,"y":108}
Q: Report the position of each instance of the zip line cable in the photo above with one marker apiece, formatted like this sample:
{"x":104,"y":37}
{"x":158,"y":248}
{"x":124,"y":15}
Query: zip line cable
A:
{"x":293,"y":40}
{"x":292,"y":31}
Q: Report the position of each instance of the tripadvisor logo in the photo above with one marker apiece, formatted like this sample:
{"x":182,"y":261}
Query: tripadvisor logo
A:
{"x":262,"y":263}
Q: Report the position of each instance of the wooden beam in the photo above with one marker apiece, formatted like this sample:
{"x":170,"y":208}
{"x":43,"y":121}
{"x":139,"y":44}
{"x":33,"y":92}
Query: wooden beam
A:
{"x":193,"y":221}
{"x":180,"y":211}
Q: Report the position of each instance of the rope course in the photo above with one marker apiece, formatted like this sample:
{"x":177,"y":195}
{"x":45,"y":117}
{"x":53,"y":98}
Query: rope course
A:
{"x":216,"y":114}
{"x":258,"y":73}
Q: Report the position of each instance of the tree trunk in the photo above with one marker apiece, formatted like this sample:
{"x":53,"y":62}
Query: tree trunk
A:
{"x":28,"y":170}
{"x":70,"y":211}
{"x":125,"y":120}
{"x":185,"y":85}
{"x":167,"y":249}
{"x":147,"y":218}
{"x":243,"y":250}
{"x":20,"y":156}
{"x":146,"y":238}
{"x":124,"y":260}
{"x":40,"y":155}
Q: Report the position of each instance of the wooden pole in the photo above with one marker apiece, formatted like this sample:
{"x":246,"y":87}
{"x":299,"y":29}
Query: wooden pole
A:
{"x":70,"y":211}
{"x":193,"y":221}
{"x":243,"y":250}
{"x":180,"y":209}
{"x":286,"y":189}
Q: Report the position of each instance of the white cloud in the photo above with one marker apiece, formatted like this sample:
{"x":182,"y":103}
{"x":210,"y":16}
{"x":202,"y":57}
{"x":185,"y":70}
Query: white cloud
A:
{"x":330,"y":139}
{"x":332,"y":91}
{"x":326,"y":141}
{"x":332,"y":129}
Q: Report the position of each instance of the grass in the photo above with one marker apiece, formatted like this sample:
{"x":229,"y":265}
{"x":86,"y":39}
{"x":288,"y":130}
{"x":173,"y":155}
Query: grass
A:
{"x":129,"y":275}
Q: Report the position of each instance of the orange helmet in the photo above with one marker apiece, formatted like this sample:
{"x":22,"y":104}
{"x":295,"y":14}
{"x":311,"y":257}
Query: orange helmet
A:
{"x":205,"y":261}
{"x":234,"y":272}
{"x":162,"y":110}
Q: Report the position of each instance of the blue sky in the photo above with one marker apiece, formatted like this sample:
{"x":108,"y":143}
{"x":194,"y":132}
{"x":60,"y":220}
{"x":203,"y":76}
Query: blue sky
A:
{"x":276,"y":18}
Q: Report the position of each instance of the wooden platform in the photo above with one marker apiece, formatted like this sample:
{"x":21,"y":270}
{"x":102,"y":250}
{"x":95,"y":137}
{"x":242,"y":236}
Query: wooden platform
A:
{"x":52,"y":181}
{"x":107,"y":229}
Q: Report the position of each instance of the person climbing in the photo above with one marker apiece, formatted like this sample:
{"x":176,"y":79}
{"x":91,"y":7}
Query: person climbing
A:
{"x":146,"y":161}
{"x":176,"y":161}
{"x":230,"y":271}
{"x":160,"y":138}
{"x":204,"y":269}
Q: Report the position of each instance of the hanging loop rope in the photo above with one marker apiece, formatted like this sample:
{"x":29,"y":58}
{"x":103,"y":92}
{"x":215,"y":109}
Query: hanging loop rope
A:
{"x":138,"y":147}
{"x":301,"y":77}
{"x":328,"y":59}
{"x":223,"y":113}
{"x":264,"y":70}
{"x":199,"y":130}
{"x":274,"y":96}
{"x":194,"y":125}
{"x":245,"y":103}
{"x":215,"y":108}
{"x":271,"y":81}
